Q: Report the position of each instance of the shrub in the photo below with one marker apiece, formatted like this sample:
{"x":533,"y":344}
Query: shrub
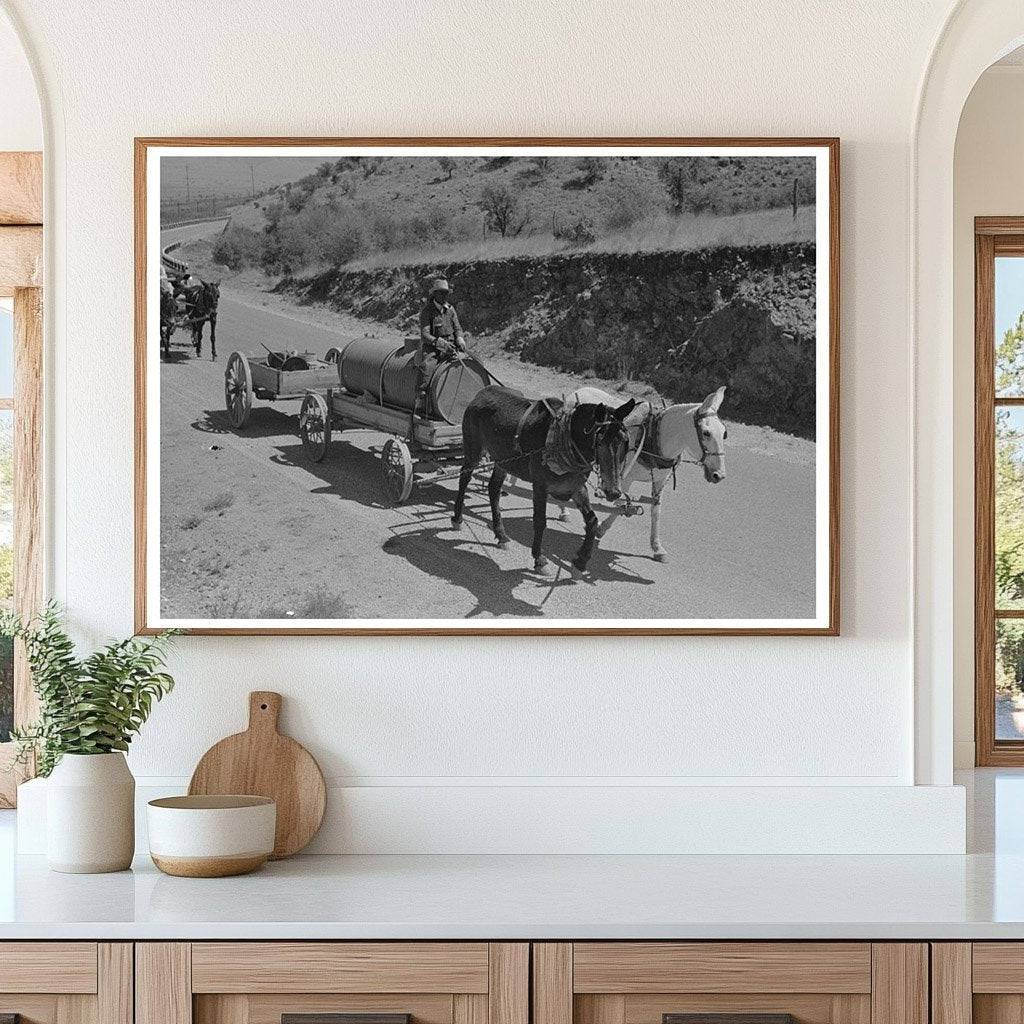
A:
{"x":578,"y":235}
{"x":238,"y":247}
{"x":342,"y":241}
{"x":591,"y":170}
{"x":495,"y":163}
{"x":627,"y":203}
{"x":503,"y":211}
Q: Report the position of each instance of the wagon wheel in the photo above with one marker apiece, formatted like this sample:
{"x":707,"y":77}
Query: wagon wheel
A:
{"x":396,"y":470}
{"x":238,"y":390}
{"x":315,"y":427}
{"x":332,"y":355}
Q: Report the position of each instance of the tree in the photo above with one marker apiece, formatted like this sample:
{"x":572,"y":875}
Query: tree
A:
{"x":447,"y":165}
{"x":675,"y":175}
{"x":1009,"y":506}
{"x":502,"y":210}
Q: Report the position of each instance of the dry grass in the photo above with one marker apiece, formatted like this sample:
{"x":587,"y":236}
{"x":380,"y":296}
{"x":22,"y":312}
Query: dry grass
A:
{"x":663,"y":232}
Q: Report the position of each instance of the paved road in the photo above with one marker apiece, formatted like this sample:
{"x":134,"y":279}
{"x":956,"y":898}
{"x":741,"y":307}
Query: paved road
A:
{"x":1009,"y":720}
{"x":250,"y":528}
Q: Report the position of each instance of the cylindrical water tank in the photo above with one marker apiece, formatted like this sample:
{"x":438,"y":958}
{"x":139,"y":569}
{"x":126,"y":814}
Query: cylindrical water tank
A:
{"x":387,"y":373}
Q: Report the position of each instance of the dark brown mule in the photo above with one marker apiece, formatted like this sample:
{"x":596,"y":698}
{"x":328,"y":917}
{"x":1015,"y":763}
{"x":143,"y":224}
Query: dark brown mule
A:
{"x":515,"y":431}
{"x":201,"y":302}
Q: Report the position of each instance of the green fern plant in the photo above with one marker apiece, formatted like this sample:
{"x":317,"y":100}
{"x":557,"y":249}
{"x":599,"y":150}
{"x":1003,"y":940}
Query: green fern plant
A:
{"x":90,"y":705}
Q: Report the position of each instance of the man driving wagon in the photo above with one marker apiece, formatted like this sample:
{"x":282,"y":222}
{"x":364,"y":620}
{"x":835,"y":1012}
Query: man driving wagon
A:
{"x":441,"y":336}
{"x":440,"y":331}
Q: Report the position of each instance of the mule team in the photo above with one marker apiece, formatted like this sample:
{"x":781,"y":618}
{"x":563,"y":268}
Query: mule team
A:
{"x":555,"y":444}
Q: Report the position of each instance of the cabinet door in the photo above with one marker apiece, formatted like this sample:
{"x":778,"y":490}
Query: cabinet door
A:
{"x":66,"y":982}
{"x":332,"y":983}
{"x":980,"y":982}
{"x":736,"y":982}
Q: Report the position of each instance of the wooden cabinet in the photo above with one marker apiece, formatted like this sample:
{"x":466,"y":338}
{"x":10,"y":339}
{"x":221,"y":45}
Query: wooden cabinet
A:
{"x":648,"y":982}
{"x":66,"y":982}
{"x":493,"y":983}
{"x":979,"y":982}
{"x":260,"y":982}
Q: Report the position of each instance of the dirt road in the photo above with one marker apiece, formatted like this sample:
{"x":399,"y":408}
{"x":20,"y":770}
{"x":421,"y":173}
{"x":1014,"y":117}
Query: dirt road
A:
{"x":251,"y":529}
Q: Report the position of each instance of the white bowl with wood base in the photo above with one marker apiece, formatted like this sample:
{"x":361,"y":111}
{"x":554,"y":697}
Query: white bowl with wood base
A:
{"x":211,"y":836}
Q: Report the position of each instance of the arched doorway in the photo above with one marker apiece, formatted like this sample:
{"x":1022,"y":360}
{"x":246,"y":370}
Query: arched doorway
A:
{"x":976,"y":34}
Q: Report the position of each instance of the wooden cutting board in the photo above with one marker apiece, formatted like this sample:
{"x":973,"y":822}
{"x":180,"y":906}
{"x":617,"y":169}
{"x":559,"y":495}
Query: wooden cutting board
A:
{"x":262,"y":762}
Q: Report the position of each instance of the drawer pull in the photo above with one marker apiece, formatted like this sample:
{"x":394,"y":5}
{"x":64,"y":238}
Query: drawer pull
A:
{"x":728,"y":1018}
{"x":340,"y":1018}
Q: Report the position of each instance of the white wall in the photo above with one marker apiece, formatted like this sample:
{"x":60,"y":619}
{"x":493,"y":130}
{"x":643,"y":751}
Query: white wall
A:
{"x":21,"y":125}
{"x":444,"y":713}
{"x":988,"y":181}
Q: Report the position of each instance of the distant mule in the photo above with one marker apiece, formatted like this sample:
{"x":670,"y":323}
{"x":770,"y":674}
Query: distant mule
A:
{"x":693,"y":434}
{"x":189,"y":305}
{"x":201,"y":302}
{"x":554,"y":448}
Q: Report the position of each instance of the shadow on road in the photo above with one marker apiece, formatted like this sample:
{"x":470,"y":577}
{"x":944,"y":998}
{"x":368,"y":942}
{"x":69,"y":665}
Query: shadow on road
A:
{"x":264,"y":421}
{"x":354,"y":473}
{"x":452,"y":560}
{"x":464,"y":562}
{"x":177,"y":356}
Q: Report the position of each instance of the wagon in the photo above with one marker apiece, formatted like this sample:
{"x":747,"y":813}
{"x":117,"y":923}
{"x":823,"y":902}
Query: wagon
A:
{"x":274,"y":377}
{"x":376,"y":389}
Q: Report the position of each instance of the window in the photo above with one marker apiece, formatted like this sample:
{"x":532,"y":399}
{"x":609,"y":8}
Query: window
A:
{"x":6,"y":510}
{"x":999,"y":490}
{"x":21,"y":489}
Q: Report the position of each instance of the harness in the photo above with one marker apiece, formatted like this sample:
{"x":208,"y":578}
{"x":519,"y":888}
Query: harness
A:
{"x":561,"y":453}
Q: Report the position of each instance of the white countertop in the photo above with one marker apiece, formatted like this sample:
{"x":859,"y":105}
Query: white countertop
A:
{"x":978,"y":896}
{"x":531,"y":897}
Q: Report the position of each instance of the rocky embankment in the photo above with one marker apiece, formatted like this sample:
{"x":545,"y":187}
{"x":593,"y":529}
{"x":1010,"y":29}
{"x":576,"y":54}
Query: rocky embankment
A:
{"x":682,"y":322}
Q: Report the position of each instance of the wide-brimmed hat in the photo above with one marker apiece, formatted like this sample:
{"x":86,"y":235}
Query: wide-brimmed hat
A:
{"x":439,"y":284}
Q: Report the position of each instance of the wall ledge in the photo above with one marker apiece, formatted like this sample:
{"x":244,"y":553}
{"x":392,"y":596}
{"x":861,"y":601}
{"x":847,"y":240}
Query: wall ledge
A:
{"x":601,"y":819}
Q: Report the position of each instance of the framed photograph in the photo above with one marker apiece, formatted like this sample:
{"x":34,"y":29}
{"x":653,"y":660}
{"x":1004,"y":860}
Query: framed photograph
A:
{"x":487,"y":386}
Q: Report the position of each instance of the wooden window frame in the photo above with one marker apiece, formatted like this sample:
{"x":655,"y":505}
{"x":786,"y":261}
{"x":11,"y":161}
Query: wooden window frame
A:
{"x":21,"y":277}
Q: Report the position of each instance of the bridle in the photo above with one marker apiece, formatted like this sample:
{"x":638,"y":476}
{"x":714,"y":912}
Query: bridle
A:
{"x":705,"y":452}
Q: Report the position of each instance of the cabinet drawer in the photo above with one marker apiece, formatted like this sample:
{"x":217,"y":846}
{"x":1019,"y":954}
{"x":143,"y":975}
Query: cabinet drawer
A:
{"x":262,"y":982}
{"x":48,"y":967}
{"x":630,"y":967}
{"x":735,"y":982}
{"x":340,"y":967}
{"x":66,"y":982}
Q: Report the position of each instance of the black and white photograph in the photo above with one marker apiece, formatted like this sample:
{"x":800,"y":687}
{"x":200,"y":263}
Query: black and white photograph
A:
{"x":449,"y":387}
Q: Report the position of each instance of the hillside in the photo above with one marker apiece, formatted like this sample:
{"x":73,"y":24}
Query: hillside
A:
{"x":684,"y":323}
{"x":376,"y":212}
{"x":681,"y":274}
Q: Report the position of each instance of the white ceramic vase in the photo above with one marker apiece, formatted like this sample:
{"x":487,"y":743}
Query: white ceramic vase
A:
{"x":90,"y":814}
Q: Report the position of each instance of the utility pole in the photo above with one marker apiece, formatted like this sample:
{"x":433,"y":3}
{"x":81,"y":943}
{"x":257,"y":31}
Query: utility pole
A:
{"x":188,"y":186}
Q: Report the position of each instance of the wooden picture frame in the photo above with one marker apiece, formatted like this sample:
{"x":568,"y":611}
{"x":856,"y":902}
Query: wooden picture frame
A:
{"x":826,"y":619}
